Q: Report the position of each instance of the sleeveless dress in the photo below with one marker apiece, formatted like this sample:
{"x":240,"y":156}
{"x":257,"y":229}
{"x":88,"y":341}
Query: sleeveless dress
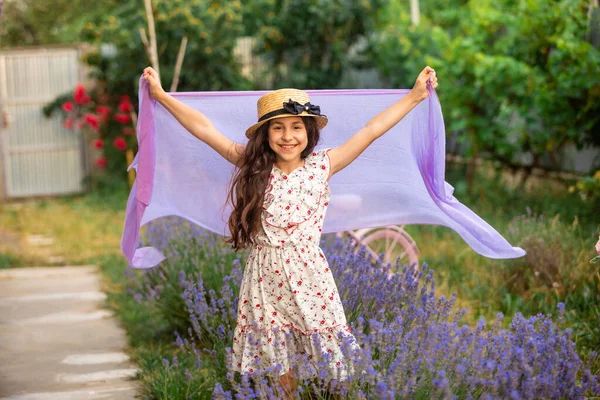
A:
{"x":287,"y":288}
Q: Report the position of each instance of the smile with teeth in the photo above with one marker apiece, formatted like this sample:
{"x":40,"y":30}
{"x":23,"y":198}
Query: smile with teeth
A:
{"x":288,"y":147}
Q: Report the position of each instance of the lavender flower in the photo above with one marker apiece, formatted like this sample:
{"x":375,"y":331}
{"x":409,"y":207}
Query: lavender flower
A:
{"x":409,"y":341}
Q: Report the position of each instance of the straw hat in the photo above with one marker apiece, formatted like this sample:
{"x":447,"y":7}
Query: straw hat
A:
{"x":285,"y":103}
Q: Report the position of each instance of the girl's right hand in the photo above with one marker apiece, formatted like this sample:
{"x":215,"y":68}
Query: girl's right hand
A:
{"x":151,"y":76}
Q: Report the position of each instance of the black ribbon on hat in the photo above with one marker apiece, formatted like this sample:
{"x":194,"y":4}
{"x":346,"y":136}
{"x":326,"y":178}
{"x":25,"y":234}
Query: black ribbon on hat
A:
{"x":295,"y":108}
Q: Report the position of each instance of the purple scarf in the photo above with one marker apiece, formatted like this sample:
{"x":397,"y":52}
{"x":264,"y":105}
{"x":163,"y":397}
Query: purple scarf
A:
{"x":399,"y":179}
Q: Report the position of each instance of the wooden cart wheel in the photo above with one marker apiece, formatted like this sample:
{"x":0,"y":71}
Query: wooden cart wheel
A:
{"x":390,"y":241}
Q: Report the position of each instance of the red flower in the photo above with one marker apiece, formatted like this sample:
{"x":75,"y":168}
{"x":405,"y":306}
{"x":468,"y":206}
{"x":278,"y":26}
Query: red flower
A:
{"x":101,"y":162}
{"x":120,"y":143}
{"x":125,"y":107}
{"x":125,"y":104}
{"x":67,"y":106}
{"x":129,"y":131}
{"x":92,"y":121}
{"x":68,"y":123}
{"x":80,"y":96}
{"x":103,"y":110}
{"x":98,"y":143}
{"x":122,"y":118}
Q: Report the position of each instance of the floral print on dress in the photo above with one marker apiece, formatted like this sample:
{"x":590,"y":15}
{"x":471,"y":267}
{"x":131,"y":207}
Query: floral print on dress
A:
{"x":288,"y":299}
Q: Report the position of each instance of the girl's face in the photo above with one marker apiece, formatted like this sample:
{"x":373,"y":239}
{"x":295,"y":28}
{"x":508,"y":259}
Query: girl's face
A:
{"x":287,"y":138}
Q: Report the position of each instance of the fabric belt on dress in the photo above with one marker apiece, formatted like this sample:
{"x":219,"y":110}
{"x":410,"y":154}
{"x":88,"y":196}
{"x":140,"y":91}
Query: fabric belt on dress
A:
{"x":285,"y":245}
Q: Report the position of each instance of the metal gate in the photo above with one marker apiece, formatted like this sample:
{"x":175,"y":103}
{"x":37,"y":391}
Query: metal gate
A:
{"x":38,"y":156}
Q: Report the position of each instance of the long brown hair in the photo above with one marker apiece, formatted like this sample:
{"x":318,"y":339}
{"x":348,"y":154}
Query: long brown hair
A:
{"x":249,"y":182}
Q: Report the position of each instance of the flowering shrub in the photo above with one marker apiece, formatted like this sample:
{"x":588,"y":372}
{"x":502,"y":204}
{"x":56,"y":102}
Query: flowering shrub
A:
{"x":412,"y":343}
{"x":194,"y":257}
{"x":107,"y":120}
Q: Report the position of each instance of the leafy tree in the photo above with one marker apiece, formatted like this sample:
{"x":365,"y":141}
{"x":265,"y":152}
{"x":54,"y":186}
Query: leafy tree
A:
{"x":209,"y":64}
{"x":519,"y":76}
{"x":307,"y":42}
{"x":120,"y":56}
{"x":41,"y":22}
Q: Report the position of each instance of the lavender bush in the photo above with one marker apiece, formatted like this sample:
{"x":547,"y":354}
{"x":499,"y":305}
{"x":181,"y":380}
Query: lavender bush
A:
{"x":193,"y":255}
{"x":412,"y":342}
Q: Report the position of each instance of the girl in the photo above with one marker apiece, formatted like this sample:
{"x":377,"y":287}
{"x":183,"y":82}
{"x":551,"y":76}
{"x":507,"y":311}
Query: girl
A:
{"x":279,"y":194}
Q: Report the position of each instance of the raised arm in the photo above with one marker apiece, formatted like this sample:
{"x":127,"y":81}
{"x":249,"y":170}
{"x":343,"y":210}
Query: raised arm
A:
{"x":340,"y":157}
{"x":194,"y":121}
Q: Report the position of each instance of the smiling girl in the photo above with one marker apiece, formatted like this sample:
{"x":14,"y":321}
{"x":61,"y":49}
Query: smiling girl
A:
{"x":279,"y":194}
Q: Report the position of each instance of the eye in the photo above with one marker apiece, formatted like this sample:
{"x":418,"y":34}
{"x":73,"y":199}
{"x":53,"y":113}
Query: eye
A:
{"x":297,"y":127}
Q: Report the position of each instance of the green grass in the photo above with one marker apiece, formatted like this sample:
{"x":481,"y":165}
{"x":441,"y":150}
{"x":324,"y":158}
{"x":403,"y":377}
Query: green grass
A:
{"x":10,"y":260}
{"x":82,"y":227}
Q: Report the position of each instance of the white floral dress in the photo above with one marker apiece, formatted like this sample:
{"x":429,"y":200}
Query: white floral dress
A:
{"x":288,"y":288}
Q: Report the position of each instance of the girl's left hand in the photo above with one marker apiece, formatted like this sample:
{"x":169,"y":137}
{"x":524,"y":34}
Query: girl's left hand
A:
{"x":427,"y":76}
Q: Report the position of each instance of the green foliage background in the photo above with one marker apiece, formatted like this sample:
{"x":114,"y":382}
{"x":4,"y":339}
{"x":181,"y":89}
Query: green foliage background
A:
{"x":519,"y":76}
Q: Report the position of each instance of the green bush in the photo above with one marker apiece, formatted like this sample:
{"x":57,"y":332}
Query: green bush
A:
{"x":521,"y":77}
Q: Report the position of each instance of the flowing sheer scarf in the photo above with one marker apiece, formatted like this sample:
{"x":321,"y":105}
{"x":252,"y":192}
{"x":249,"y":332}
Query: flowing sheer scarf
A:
{"x":399,"y":179}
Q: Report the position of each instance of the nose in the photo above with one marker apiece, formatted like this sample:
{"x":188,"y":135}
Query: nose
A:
{"x":287,"y":135}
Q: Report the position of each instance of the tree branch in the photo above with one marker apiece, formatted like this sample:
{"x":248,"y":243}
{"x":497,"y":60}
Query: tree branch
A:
{"x":152,"y":33}
{"x":179,"y":63}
